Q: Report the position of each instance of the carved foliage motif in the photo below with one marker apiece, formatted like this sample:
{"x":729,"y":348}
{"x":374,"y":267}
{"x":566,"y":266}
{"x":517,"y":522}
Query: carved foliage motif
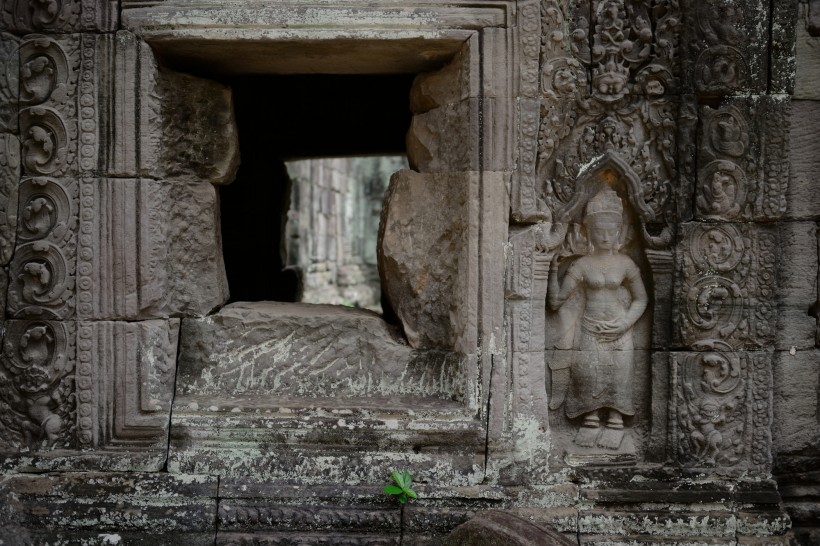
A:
{"x":742,"y":173}
{"x":9,"y":85}
{"x":723,"y":407}
{"x":9,"y":180}
{"x":48,"y":80}
{"x":42,"y":271}
{"x":43,"y":268}
{"x":37,"y":400}
{"x":728,"y":277}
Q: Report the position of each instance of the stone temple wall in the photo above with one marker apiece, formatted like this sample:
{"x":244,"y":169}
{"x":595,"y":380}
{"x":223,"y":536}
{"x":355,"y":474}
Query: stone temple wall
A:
{"x":601,"y":268}
{"x":333,"y":225}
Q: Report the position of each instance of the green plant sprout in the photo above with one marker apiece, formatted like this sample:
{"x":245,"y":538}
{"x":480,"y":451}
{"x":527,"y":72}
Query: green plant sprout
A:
{"x":401,"y":489}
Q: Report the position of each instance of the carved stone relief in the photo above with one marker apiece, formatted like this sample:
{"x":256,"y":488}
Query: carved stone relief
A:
{"x":721,"y":46}
{"x":38,"y":406}
{"x":727,"y":285}
{"x":23,"y":16}
{"x":722,"y":407}
{"x":42,"y":270}
{"x":742,"y":174}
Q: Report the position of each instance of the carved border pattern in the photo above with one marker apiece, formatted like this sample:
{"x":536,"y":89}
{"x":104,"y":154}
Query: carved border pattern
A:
{"x":85,"y":388}
{"x":88,"y":110}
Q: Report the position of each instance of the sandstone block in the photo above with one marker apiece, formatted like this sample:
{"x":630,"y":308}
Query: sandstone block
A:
{"x":108,"y":508}
{"x":427,"y":257}
{"x":304,"y":351}
{"x":797,"y":285}
{"x":445,"y":139}
{"x":804,"y":155}
{"x":796,"y":404}
{"x":149,"y":249}
{"x":168,"y":124}
{"x":807,"y":56}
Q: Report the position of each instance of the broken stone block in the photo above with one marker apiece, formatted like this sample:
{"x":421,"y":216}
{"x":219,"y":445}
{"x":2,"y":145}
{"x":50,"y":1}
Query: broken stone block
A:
{"x":306,"y":350}
{"x":445,"y":139}
{"x":427,"y":262}
{"x":149,"y":249}
{"x":199,"y":136}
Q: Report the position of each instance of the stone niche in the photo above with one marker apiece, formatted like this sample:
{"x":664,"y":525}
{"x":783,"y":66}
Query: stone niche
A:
{"x":594,"y":269}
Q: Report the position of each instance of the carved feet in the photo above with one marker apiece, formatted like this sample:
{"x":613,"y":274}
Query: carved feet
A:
{"x":609,"y":437}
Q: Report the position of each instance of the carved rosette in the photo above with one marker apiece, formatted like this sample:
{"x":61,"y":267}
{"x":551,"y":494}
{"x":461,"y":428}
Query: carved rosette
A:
{"x":722,"y":408}
{"x":37,"y":399}
{"x":727,"y":274}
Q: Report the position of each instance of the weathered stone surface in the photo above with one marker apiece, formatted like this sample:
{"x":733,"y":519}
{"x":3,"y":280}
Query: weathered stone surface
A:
{"x":72,"y":387}
{"x":505,"y":529}
{"x":807,"y":53}
{"x":721,"y":42}
{"x":107,"y":508}
{"x":797,"y":286}
{"x":166,"y":124}
{"x":42,"y":272}
{"x":9,"y":180}
{"x":304,"y":350}
{"x":275,"y":513}
{"x":427,"y":257}
{"x":450,"y":85}
{"x":149,"y":249}
{"x":804,"y":154}
{"x":9,"y":82}
{"x":22,"y":17}
{"x":796,"y":386}
{"x":199,"y":138}
{"x":722,"y":410}
{"x":445,"y":139}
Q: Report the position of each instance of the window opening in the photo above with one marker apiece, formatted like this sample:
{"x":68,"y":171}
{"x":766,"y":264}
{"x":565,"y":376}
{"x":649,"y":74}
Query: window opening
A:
{"x":287,"y":118}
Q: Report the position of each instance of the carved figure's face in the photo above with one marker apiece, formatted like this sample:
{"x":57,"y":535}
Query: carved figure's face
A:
{"x":564,"y":80}
{"x":654,"y":88}
{"x":605,"y":235}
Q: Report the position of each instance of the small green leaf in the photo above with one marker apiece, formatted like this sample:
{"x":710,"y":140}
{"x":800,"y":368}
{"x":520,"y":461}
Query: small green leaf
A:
{"x":393,"y":490}
{"x":411,"y":493}
{"x":403,"y":498}
{"x":408,"y":478}
{"x":398,"y":478}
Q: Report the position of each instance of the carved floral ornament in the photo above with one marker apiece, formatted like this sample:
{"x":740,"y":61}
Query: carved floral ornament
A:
{"x":41,"y":14}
